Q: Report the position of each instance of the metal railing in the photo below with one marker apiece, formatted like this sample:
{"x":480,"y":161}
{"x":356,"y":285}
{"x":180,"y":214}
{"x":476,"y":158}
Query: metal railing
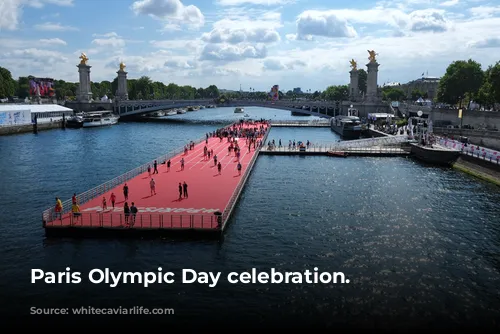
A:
{"x":101,"y":189}
{"x":343,"y":145}
{"x":472,"y":150}
{"x":300,"y":122}
{"x":237,"y":191}
{"x":137,"y":221}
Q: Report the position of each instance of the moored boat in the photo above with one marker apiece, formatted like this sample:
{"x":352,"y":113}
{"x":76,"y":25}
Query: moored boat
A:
{"x":74,"y":122}
{"x":340,"y":154}
{"x":239,"y":110}
{"x":99,"y":119}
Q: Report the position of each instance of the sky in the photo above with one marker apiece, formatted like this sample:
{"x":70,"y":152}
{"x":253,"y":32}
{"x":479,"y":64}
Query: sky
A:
{"x":252,"y":43}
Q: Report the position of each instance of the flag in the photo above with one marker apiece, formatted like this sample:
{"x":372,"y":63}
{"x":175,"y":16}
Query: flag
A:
{"x":459,"y":113}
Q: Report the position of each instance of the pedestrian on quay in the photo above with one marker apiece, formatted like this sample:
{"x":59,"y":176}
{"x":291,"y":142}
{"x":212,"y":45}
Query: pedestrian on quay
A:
{"x":168,"y":165}
{"x":182,"y":164}
{"x":180,"y":191}
{"x":125,"y":191}
{"x":239,"y":168}
{"x":155,"y":166}
{"x":126,"y":212}
{"x":185,"y":189}
{"x":219,"y":167}
{"x":112,"y":199}
{"x":149,"y":170}
{"x":104,"y":205}
{"x":133,"y":211}
{"x":152,"y":185}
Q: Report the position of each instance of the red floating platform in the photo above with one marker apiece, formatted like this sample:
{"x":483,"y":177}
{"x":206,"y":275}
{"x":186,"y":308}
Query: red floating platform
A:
{"x":210,"y":200}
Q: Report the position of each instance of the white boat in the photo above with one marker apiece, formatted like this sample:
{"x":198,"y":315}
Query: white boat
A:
{"x":181,"y":111}
{"x":239,"y":110}
{"x":171,"y":113}
{"x":99,"y":119}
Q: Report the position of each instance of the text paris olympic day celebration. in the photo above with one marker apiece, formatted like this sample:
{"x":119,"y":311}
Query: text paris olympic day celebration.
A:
{"x":188,"y":276}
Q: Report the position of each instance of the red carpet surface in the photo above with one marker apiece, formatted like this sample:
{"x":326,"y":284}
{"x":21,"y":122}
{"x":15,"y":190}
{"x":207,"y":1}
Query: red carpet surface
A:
{"x":208,"y":192}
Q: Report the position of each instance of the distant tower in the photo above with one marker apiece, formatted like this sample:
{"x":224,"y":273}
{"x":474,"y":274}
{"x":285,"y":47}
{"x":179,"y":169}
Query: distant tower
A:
{"x":122,"y":90}
{"x":84,"y":93}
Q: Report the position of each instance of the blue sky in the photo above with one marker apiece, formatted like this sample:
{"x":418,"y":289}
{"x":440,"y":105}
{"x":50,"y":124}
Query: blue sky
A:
{"x":255,"y":43}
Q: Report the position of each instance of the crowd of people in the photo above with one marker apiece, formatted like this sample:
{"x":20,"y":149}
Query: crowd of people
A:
{"x":249,"y":131}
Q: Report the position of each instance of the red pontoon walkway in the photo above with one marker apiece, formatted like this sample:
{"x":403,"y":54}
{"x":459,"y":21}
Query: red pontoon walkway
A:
{"x":211,"y":196}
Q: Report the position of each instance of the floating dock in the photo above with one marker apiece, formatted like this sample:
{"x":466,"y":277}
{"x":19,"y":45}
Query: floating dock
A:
{"x":211,"y":196}
{"x":373,"y":151}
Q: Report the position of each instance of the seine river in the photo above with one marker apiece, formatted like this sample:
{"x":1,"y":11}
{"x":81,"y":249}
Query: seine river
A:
{"x":420,"y":245}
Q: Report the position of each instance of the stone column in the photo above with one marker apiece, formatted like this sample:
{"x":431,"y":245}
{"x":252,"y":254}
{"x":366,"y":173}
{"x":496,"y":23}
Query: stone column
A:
{"x":122,"y":90}
{"x":354,"y":85}
{"x":371,"y":81}
{"x":84,"y":91}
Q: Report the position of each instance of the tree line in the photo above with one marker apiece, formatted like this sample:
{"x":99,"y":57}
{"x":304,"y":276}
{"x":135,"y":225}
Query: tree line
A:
{"x":138,"y":89}
{"x":463,"y":82}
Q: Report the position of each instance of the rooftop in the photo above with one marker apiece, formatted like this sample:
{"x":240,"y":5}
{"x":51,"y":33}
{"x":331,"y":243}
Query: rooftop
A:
{"x":34,"y":107}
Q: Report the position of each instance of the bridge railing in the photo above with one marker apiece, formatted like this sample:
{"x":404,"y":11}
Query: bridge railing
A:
{"x":237,"y":191}
{"x":101,"y":189}
{"x":140,"y":220}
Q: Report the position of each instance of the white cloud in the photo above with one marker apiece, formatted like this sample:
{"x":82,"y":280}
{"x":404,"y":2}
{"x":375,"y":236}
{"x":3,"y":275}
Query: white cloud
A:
{"x":230,"y":53}
{"x":46,"y":56}
{"x":325,"y":24}
{"x":450,"y":3}
{"x":49,"y":26}
{"x":273,"y":64}
{"x":253,"y":2}
{"x":486,"y":43}
{"x":428,"y":20}
{"x":485,"y":11}
{"x":53,"y":41}
{"x":173,"y":11}
{"x":10,"y":12}
{"x":236,"y":36}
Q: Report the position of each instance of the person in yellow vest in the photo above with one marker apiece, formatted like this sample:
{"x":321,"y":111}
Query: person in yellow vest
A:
{"x":59,"y":208}
{"x":75,"y":209}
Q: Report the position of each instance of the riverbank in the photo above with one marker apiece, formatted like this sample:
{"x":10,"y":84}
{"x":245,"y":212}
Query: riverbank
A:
{"x":481,"y":169}
{"x":25,"y":128}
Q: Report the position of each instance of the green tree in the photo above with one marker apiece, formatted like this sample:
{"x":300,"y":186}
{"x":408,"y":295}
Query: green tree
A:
{"x":462,"y":79}
{"x":336,"y":93}
{"x":7,"y":84}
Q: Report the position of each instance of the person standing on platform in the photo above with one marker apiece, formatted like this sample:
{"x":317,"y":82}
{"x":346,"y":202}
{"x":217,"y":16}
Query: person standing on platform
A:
{"x":73,"y":199}
{"x":59,"y":208}
{"x":133,"y":212}
{"x":126,"y":212}
{"x":182,"y":164}
{"x":112,"y":199}
{"x":180,"y":191}
{"x":125,"y":191}
{"x":239,"y":168}
{"x":152,"y":185}
{"x":149,"y":170}
{"x":104,"y":205}
{"x":155,"y":166}
{"x":185,"y":189}
{"x":219,"y":167}
{"x":215,"y":160}
{"x":168,"y":165}
{"x":75,"y":210}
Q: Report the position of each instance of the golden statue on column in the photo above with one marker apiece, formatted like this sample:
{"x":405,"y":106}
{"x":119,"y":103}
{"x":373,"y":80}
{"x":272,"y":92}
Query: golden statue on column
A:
{"x":84,"y":59}
{"x":354,"y":65}
{"x":122,"y":66}
{"x":372,"y":56}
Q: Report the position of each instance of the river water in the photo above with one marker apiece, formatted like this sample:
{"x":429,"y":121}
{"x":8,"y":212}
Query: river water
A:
{"x":420,"y":245}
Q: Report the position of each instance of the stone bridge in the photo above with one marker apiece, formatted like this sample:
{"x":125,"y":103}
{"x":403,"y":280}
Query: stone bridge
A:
{"x":324,"y":109}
